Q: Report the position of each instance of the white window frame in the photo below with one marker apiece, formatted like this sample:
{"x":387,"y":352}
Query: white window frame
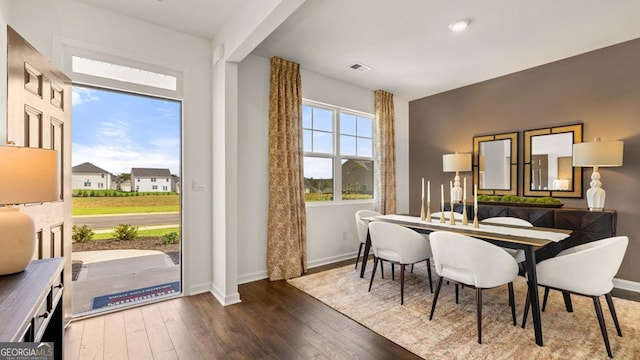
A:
{"x":336,"y":157}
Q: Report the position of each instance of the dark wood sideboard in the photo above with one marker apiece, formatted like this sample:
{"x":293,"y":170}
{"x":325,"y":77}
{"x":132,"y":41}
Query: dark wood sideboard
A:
{"x":31,"y":304}
{"x":586,"y":225}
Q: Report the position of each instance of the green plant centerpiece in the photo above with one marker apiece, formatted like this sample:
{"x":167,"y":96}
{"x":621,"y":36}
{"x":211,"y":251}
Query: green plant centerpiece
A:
{"x":520,"y":200}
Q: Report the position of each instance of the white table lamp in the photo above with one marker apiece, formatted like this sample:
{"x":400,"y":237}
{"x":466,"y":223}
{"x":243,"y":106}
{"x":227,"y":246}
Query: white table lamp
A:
{"x":456,"y":163}
{"x":27,"y":175}
{"x":597,"y":154}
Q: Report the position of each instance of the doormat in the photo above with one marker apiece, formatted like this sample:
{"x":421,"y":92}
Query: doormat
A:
{"x":137,"y":295}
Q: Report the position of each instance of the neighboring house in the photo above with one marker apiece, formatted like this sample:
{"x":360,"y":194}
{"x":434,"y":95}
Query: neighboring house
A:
{"x":151,"y":180}
{"x":87,"y":176}
{"x":175,"y":183}
{"x":357,"y":176}
{"x":125,"y":186}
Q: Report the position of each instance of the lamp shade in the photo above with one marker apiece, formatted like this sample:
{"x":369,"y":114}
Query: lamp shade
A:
{"x":456,"y":162}
{"x":28,"y":175}
{"x":598,"y":153}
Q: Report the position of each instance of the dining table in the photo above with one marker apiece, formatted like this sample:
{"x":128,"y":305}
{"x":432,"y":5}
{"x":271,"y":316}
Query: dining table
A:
{"x":528,"y":239}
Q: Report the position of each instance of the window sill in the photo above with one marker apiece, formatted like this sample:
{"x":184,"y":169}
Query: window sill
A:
{"x":339,"y":203}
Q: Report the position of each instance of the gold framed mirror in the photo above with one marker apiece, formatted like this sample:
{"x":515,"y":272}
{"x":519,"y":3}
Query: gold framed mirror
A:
{"x":548,"y":167}
{"x":495,"y":163}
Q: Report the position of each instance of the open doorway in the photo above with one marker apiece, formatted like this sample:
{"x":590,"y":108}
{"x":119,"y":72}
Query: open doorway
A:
{"x":126,"y":198}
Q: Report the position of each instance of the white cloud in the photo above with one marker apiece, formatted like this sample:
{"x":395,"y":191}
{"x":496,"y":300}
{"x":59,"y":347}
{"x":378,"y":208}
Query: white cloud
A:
{"x":114,"y":131}
{"x":81,"y":95}
{"x":166,"y":142}
{"x":117,"y":160}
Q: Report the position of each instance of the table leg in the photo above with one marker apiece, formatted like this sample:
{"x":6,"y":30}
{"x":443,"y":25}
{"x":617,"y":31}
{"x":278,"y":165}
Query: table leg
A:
{"x":365,"y":256}
{"x":533,"y":293}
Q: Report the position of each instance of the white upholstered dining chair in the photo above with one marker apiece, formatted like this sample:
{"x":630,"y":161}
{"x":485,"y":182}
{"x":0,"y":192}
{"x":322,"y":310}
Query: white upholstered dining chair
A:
{"x":474,"y":263}
{"x":362,"y":227}
{"x":510,"y":220}
{"x":575,"y":270}
{"x":398,"y":245}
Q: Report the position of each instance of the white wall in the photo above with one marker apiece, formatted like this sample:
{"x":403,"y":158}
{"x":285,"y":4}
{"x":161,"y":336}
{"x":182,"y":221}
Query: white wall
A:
{"x":4,"y":19}
{"x":40,"y":22}
{"x":331,"y":232}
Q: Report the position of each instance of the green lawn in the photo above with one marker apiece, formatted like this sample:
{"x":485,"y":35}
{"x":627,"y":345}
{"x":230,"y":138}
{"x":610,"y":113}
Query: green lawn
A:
{"x":125,"y":205}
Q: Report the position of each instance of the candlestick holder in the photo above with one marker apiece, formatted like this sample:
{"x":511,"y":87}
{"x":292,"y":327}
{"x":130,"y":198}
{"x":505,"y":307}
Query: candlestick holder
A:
{"x":465,"y":221}
{"x":442,"y":214}
{"x":423,"y":216}
{"x":475,"y":219}
{"x":452,"y":221}
{"x":428,"y":212}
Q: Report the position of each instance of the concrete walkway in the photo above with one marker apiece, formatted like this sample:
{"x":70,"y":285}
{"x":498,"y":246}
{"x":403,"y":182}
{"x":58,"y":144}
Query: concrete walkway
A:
{"x":107,"y":272}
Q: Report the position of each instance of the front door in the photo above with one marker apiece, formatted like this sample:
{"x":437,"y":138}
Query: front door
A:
{"x":39,"y":116}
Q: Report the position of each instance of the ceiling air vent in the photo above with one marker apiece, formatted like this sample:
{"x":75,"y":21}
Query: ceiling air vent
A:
{"x":360,"y":67}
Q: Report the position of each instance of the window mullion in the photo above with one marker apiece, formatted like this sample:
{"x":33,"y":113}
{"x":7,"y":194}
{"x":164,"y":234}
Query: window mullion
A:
{"x":337,"y":168}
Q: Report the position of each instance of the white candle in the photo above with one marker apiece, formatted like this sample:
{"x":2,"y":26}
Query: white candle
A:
{"x":422,"y":188}
{"x":464,"y":190}
{"x":442,"y":197}
{"x":451,"y":190}
{"x":475,"y":197}
{"x":428,"y":190}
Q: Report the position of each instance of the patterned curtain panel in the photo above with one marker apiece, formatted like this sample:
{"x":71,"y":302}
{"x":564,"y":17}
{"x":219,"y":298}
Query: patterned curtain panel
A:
{"x":385,"y":153}
{"x":287,"y":224}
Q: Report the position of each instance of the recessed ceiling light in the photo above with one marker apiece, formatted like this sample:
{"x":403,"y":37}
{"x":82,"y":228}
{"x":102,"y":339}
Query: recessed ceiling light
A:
{"x":460,"y":25}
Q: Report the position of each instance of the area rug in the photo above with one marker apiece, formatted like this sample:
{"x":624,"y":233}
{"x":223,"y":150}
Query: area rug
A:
{"x":452,"y":332}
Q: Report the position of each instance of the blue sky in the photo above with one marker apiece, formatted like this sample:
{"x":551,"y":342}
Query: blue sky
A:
{"x":117,"y":131}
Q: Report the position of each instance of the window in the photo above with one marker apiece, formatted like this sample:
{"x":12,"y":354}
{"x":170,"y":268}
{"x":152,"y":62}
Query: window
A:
{"x":128,"y":74}
{"x":154,"y":187}
{"x":153,"y":179}
{"x":102,"y":176}
{"x":338,"y":153}
{"x":165,"y":188}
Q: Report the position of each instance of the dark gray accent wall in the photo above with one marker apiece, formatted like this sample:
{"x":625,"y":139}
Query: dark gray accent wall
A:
{"x":601,"y":89}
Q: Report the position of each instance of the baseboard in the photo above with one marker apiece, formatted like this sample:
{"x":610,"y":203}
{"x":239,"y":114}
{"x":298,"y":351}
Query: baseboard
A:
{"x":260,"y":275}
{"x":255,"y":276}
{"x":626,"y":285}
{"x":199,"y":289}
{"x":225,"y":300}
{"x":330,"y":260}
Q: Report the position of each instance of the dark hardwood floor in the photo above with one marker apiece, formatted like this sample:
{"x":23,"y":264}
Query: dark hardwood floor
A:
{"x":274,"y":321}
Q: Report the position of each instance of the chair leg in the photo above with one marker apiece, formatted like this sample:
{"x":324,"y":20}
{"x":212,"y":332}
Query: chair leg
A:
{"x":402,"y":284}
{"x":435,"y":297}
{"x":544,"y":300}
{"x":613,"y":312}
{"x":412,"y":268}
{"x":429,"y":272}
{"x":457,"y":294}
{"x":512,"y":303}
{"x":373,"y":272}
{"x":603,"y":329}
{"x":527,"y":304}
{"x":567,"y":301}
{"x":358,"y":257}
{"x":381,"y":269}
{"x":393,"y":272}
{"x":479,"y":311}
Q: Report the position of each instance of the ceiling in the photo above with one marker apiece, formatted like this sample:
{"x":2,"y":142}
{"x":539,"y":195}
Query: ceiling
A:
{"x":407,"y":43}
